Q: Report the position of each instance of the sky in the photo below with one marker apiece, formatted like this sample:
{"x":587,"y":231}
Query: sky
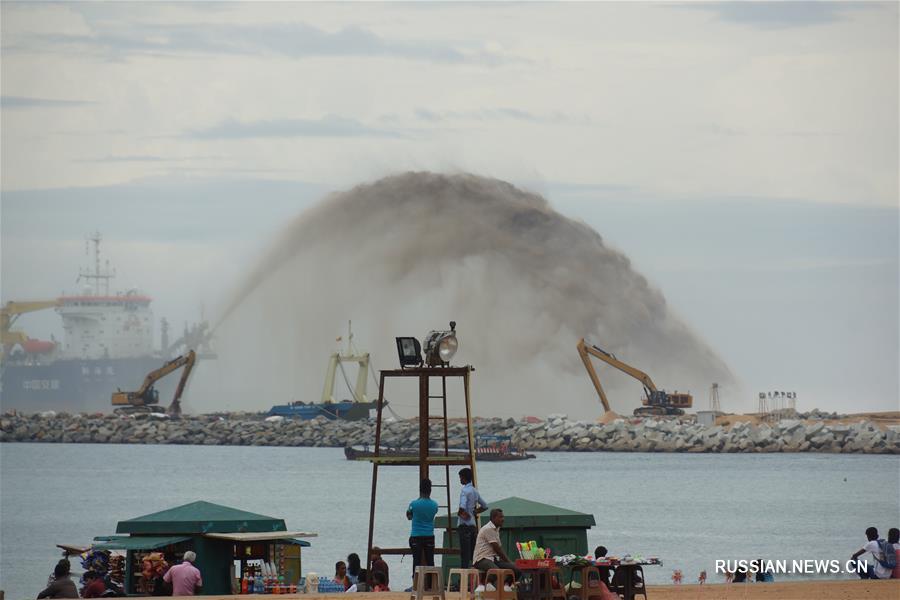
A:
{"x":743,"y":155}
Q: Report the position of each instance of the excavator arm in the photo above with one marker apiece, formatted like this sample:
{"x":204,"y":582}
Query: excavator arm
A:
{"x":592,"y":373}
{"x":144,"y":395}
{"x":657,"y":402}
{"x":611,"y":359}
{"x":175,"y":406}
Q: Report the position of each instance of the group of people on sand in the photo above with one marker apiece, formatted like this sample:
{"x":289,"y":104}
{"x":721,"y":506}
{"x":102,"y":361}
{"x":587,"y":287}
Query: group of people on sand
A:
{"x":354,"y":577}
{"x":182,"y":579}
{"x":885,"y":555}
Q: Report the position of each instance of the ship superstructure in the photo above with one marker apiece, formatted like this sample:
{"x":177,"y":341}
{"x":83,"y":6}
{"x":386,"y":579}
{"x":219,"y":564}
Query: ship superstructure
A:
{"x":107,"y":344}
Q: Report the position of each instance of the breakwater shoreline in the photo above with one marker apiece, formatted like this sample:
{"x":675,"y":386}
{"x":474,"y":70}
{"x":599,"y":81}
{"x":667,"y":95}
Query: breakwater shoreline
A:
{"x":556,"y":433}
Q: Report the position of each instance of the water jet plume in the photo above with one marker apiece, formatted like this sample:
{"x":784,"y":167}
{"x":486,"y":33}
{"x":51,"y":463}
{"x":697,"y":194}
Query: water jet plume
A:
{"x":410,"y":252}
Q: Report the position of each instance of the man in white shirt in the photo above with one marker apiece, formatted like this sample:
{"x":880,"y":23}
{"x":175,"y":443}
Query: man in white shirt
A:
{"x":874,"y":570}
{"x":489,"y":552}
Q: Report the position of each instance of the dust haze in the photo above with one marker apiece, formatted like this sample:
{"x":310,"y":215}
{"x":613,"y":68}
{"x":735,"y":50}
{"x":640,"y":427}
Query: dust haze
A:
{"x":409,"y":253}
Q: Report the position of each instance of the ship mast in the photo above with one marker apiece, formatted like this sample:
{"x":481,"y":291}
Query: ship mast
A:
{"x":97,"y":276}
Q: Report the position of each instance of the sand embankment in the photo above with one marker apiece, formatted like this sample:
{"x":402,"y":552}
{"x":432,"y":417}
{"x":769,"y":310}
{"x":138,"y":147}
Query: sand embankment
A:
{"x":795,"y":590}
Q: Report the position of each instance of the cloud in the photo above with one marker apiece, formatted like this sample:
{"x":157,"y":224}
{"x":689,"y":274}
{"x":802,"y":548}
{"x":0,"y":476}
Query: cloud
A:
{"x":295,"y":40}
{"x":487,"y":114}
{"x":22,"y":102}
{"x":131,"y":158}
{"x":327,"y":126}
{"x":777,"y":15}
{"x":125,"y":158}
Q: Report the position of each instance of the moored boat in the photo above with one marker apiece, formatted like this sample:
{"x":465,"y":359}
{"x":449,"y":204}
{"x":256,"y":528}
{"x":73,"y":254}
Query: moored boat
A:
{"x":488,"y":448}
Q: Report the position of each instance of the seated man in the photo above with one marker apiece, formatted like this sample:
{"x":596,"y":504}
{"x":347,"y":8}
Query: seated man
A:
{"x":489,"y":553}
{"x":600,"y":553}
{"x":874,"y":569}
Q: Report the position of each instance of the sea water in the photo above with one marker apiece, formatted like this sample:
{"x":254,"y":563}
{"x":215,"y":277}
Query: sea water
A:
{"x":687,"y":509}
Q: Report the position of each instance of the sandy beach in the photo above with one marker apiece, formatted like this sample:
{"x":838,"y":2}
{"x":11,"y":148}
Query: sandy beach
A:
{"x":796,"y":590}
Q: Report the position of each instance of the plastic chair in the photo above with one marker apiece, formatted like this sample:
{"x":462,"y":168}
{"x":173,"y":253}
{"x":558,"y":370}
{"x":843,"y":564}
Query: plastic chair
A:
{"x":623,"y":581}
{"x":499,"y":581}
{"x":466,"y":577}
{"x":537,"y":584}
{"x":429,"y":584}
{"x":639,"y":588}
{"x":590,"y":584}
{"x":559,"y":593}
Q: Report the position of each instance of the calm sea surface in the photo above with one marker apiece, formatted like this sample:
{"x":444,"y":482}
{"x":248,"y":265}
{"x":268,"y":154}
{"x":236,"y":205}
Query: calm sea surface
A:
{"x":686,"y":509}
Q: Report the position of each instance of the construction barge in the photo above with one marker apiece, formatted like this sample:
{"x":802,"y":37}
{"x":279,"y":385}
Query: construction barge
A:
{"x":488,"y":448}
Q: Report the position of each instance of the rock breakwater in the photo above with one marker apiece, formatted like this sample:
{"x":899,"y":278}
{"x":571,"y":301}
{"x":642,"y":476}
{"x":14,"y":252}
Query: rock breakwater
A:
{"x":557,"y":433}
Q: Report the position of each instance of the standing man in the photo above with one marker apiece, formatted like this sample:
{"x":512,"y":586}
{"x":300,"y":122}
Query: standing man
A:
{"x":874,"y":569}
{"x":421,"y":512}
{"x":471,"y":504}
{"x":489,"y":553}
{"x":185,"y":578}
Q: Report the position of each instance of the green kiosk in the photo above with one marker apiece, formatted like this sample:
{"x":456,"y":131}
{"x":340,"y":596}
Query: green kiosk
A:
{"x":229,"y":543}
{"x":562,"y":530}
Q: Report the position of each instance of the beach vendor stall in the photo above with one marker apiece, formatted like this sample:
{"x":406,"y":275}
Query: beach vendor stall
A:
{"x":234,"y":549}
{"x":561,"y":530}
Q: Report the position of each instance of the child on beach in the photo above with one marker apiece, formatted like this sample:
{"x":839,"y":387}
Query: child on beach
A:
{"x":381,"y":584}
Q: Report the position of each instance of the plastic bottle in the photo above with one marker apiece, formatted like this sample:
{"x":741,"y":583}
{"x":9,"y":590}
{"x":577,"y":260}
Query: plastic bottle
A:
{"x":244,"y":584}
{"x":251,"y":583}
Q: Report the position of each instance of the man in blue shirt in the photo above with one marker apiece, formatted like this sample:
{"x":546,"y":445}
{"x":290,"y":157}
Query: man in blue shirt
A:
{"x":421,"y":512}
{"x":471,"y":504}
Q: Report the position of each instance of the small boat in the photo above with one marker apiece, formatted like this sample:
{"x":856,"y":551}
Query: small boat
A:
{"x":488,"y":448}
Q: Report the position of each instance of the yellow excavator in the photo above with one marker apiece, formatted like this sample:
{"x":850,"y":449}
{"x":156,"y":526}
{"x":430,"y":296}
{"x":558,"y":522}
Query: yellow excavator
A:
{"x":147,"y":395}
{"x":655,"y":401}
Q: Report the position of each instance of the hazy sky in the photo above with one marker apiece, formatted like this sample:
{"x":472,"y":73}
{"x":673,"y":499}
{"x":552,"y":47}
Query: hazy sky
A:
{"x":744,"y":155}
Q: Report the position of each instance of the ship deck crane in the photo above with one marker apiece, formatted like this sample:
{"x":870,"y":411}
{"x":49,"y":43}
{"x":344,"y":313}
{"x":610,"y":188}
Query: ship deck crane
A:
{"x":10,"y":312}
{"x":147,"y":395}
{"x":655,"y":401}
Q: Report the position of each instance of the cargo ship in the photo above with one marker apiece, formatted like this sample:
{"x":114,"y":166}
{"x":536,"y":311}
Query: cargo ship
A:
{"x":107,"y":345}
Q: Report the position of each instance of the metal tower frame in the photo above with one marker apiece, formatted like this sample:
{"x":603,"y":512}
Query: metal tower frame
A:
{"x":425,"y":459}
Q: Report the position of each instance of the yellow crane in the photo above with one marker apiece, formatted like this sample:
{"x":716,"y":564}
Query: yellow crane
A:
{"x":8,"y":315}
{"x":147,"y":395}
{"x":655,"y":401}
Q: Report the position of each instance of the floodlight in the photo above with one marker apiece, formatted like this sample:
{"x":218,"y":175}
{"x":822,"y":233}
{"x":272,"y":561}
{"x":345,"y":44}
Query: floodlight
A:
{"x":440,"y":346}
{"x":410,"y":352}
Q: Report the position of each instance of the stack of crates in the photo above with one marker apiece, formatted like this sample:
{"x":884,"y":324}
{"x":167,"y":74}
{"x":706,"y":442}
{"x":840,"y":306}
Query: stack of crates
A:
{"x":330,"y":587}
